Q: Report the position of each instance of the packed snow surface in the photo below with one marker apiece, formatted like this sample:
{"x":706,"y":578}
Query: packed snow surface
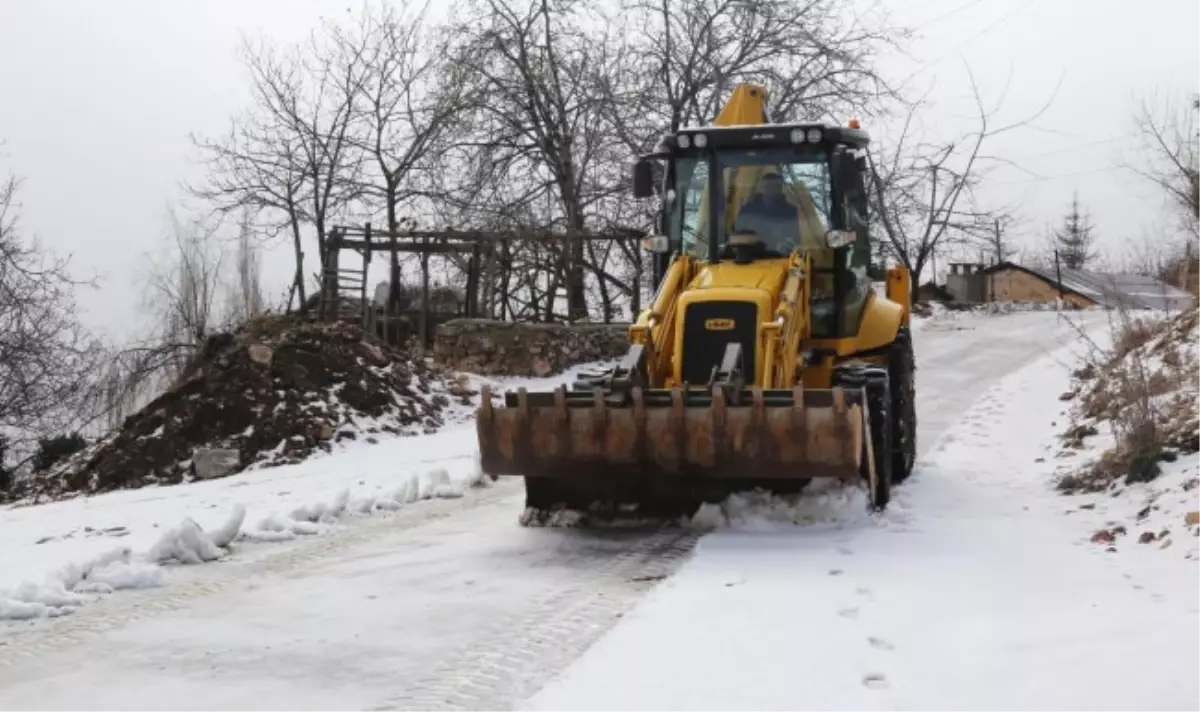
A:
{"x":380,"y":578}
{"x":973,"y":591}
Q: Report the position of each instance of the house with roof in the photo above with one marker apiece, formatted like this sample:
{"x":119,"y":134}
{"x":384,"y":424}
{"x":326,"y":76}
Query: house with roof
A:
{"x":1012,"y":282}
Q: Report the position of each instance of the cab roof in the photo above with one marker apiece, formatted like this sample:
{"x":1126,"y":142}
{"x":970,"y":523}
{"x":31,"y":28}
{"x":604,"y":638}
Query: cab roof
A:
{"x":767,"y":135}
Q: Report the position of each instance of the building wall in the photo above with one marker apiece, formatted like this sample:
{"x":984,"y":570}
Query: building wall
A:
{"x":966,"y":287}
{"x":1013,"y":285}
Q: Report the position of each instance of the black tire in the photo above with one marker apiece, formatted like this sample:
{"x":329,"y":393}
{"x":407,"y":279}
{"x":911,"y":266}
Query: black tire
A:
{"x":879,"y":406}
{"x":902,"y":380}
{"x":875,"y":382}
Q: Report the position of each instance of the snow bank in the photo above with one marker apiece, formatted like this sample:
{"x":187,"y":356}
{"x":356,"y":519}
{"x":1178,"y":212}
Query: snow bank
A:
{"x":156,"y":527}
{"x":66,"y":590}
{"x":78,"y":583}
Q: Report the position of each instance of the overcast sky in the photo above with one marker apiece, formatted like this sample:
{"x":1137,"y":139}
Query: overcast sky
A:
{"x":98,"y":98}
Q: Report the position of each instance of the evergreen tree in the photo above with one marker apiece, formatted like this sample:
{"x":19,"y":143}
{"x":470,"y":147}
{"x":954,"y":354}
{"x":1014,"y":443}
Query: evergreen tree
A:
{"x":1074,"y":241}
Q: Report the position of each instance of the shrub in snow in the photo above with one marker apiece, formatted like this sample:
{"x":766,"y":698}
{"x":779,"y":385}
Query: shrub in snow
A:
{"x":1141,"y":389}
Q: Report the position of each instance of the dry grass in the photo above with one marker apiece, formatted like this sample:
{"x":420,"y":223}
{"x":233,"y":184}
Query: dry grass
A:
{"x":1132,"y":332}
{"x":1143,"y":388}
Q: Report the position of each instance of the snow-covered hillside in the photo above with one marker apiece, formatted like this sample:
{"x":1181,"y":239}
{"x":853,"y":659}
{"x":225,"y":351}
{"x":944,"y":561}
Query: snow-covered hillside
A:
{"x":1129,"y":462}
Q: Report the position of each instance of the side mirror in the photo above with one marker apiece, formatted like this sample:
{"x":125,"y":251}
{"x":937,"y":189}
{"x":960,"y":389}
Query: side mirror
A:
{"x":840,"y":238}
{"x":656,"y":244}
{"x":643,"y":179}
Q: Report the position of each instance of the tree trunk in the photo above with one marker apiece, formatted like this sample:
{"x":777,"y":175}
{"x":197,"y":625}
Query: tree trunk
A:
{"x":298,"y":245}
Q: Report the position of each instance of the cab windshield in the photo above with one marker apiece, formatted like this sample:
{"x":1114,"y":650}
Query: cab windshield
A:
{"x":779,"y":195}
{"x":783,"y":197}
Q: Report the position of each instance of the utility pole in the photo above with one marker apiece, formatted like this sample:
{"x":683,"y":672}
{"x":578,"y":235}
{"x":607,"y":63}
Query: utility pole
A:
{"x":999,"y":244}
{"x":1062,"y":295}
{"x":1185,"y":268}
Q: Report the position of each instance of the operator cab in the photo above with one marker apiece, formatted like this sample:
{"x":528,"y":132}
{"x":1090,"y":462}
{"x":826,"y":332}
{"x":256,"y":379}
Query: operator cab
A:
{"x":744,"y":193}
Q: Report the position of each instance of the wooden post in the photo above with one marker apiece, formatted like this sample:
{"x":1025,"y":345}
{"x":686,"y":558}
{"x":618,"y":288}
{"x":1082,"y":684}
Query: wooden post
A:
{"x":424,"y":320}
{"x":367,"y":307}
{"x":473,"y":264}
{"x":391,"y":324}
{"x":505,"y":275}
{"x":327,"y":306}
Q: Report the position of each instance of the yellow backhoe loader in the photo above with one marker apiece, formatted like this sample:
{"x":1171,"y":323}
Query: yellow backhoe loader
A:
{"x":766,"y":358}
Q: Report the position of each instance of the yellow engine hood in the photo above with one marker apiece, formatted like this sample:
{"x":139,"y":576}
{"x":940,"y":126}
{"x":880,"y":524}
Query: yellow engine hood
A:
{"x":765,"y":275}
{"x":758,"y":283}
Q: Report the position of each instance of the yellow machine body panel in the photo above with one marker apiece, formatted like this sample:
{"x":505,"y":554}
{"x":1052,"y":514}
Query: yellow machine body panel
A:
{"x":880,"y":322}
{"x":758,"y":283}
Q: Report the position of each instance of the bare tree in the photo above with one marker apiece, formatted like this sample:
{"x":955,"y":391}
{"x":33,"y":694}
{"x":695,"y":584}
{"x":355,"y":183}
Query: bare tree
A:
{"x":183,"y":295}
{"x":408,"y":101}
{"x":183,"y":291}
{"x":258,"y":167}
{"x":47,"y":358}
{"x":923,"y":192}
{"x":1170,"y":145}
{"x":816,"y":58}
{"x":244,"y":299}
{"x":291,"y":152}
{"x":999,"y":245}
{"x":544,"y":156}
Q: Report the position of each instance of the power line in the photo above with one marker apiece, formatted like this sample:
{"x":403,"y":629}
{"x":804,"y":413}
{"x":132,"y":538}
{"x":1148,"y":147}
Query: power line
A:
{"x":1043,"y":179}
{"x":969,"y":39}
{"x":1076,"y":147}
{"x":955,"y":11}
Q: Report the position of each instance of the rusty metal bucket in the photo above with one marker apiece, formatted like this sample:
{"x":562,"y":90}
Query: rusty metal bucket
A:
{"x":655,"y":435}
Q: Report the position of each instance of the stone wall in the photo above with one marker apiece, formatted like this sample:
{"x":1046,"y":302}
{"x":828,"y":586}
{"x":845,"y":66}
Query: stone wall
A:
{"x":497,"y":348}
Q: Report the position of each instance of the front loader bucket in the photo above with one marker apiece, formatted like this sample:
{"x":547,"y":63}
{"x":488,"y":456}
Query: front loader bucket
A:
{"x":584,"y":448}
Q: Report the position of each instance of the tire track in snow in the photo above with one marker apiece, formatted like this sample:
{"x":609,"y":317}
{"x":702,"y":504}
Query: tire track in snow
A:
{"x":186,"y":584}
{"x":525,"y":649}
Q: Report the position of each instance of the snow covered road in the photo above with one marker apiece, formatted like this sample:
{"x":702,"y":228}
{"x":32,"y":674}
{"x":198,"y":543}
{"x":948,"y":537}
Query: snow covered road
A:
{"x":968,"y":593}
{"x":974,"y":593}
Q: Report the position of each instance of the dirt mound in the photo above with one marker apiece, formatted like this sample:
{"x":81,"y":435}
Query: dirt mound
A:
{"x":271,"y":393}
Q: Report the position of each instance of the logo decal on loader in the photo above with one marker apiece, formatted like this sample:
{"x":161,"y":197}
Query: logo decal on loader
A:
{"x":719,"y":324}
